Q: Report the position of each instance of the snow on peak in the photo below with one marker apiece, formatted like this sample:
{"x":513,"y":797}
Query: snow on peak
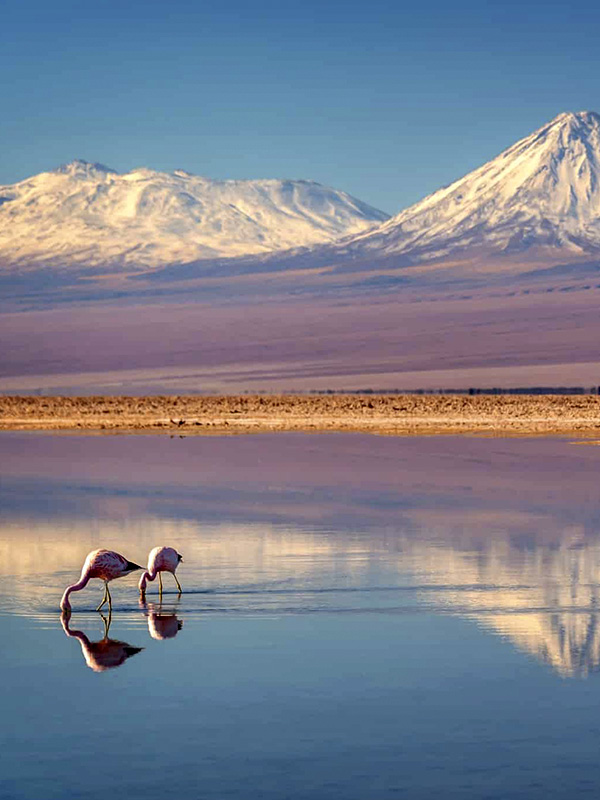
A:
{"x":542,"y":192}
{"x":79,"y":167}
{"x":579,"y":118}
{"x":89,"y":215}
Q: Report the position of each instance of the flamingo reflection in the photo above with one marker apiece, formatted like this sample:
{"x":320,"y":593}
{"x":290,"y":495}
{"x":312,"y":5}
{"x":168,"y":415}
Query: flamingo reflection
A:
{"x":104,"y":654}
{"x":161,"y":624}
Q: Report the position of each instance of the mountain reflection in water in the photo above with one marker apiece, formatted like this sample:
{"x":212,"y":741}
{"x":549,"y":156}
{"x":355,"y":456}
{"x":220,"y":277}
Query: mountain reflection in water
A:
{"x":541,"y":598}
{"x":501,"y":532}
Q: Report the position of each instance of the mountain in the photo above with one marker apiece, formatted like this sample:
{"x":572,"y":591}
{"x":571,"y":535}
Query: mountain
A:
{"x":533,"y":212}
{"x":540,"y":197}
{"x":89,"y":216}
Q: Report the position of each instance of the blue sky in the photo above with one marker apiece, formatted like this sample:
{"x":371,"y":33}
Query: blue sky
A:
{"x":383,"y":99}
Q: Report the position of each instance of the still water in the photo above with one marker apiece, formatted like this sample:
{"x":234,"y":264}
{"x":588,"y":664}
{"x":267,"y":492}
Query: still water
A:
{"x":362,"y":617}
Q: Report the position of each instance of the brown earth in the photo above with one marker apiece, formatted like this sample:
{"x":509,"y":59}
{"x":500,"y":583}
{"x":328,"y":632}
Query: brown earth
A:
{"x":386,"y":414}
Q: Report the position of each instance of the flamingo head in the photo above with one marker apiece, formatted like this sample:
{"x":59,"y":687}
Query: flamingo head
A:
{"x":142,"y":584}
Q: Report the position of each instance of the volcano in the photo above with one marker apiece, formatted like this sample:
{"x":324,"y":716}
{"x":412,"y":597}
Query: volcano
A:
{"x":539,"y":198}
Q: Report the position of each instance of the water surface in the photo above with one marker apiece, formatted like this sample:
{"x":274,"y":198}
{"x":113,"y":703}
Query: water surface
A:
{"x":362,"y":617}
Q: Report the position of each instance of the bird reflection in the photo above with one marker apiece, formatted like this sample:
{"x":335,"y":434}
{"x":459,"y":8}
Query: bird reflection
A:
{"x":162,"y":623}
{"x":104,"y":654}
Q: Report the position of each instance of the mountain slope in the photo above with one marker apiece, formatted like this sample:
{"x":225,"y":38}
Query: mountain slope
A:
{"x":543,"y":193}
{"x":538,"y":201}
{"x":88,"y":215}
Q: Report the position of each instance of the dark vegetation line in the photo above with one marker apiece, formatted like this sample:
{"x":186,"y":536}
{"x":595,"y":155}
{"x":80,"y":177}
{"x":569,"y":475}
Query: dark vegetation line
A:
{"x":525,"y":390}
{"x":473,"y":390}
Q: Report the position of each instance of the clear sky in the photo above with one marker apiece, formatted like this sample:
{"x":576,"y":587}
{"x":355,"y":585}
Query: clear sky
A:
{"x":385,"y":99}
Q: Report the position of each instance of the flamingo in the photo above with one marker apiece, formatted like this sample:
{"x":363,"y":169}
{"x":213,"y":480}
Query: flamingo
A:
{"x":104,"y":564}
{"x":160,"y":559}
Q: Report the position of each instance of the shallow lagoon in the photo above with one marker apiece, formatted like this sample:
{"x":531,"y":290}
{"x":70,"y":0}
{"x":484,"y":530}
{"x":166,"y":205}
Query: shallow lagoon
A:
{"x":362,"y":617}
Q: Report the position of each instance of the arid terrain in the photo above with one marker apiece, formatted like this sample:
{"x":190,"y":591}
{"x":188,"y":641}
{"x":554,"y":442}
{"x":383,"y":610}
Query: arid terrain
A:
{"x":385,"y":414}
{"x":382,"y":341}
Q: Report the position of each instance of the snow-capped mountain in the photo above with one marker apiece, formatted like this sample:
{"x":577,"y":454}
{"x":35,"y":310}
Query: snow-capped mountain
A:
{"x":88,"y":215}
{"x":542,"y":195}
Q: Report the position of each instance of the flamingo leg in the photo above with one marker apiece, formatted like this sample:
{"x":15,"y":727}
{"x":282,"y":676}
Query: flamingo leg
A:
{"x":177,"y":582}
{"x":106,"y":621}
{"x":160,"y":583}
{"x":109,"y":600}
{"x":106,"y":596}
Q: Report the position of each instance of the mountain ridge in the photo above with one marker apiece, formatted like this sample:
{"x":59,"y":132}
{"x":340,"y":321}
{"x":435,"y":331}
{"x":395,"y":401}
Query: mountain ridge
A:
{"x":533,"y":207}
{"x":532,"y":212}
{"x":88,"y":215}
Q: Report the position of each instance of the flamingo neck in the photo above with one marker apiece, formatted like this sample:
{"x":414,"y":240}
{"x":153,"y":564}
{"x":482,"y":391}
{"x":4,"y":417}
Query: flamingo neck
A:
{"x":73,"y":634}
{"x":83,"y":581}
{"x":148,"y":575}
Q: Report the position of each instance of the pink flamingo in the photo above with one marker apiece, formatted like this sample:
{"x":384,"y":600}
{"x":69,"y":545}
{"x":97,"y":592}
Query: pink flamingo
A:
{"x":104,"y":564}
{"x":160,"y":559}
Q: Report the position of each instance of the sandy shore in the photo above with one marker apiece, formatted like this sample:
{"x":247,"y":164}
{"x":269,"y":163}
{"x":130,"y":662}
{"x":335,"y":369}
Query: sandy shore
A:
{"x":385,"y":414}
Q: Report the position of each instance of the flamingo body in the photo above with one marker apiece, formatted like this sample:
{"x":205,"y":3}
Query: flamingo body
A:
{"x":103,"y":564}
{"x":160,"y":559}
